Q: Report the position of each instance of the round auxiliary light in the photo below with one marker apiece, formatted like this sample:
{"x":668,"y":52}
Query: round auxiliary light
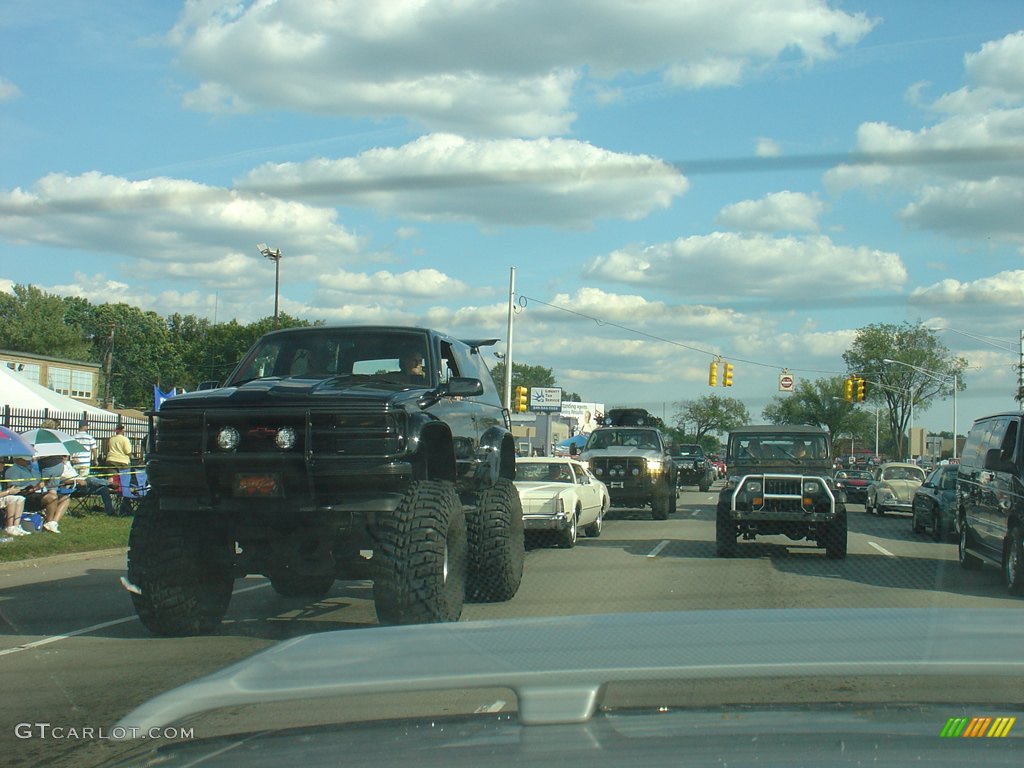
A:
{"x":228,"y":439}
{"x":285,"y":438}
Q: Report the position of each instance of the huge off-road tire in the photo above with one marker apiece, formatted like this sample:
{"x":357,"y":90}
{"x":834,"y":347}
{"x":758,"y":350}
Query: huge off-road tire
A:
{"x":725,"y":533}
{"x":660,"y":504}
{"x":420,"y":557}
{"x":182,"y":570}
{"x":834,"y":538}
{"x":497,"y":545}
{"x":288,"y":583}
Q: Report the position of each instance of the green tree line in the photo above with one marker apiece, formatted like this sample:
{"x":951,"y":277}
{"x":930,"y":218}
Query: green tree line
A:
{"x":142,"y":347}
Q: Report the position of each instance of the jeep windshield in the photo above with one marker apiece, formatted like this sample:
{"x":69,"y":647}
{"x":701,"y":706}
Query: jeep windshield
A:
{"x":688,"y":451}
{"x":341,"y":353}
{"x":769,"y":448}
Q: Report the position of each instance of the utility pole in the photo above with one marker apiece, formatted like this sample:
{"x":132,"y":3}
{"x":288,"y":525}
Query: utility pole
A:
{"x":107,"y":364}
{"x":508,"y":343}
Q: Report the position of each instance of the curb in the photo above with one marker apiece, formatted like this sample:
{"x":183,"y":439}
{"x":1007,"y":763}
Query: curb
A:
{"x":37,"y":562}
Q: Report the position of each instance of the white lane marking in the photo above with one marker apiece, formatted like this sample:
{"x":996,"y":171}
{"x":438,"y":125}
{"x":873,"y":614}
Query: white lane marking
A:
{"x":485,"y":708}
{"x":96,"y":627}
{"x":55,"y":638}
{"x":654,"y":552}
{"x":881,"y":549}
{"x":695,"y":513}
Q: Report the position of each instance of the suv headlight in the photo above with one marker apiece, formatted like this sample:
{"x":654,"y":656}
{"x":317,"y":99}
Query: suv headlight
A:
{"x":654,"y":466}
{"x":752,"y":486}
{"x":811,"y":486}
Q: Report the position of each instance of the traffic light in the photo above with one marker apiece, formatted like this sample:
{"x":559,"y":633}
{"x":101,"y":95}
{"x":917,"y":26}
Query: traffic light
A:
{"x":727,"y":376}
{"x":861,"y":389}
{"x":521,"y":402}
{"x":713,"y":374}
{"x":848,"y":390}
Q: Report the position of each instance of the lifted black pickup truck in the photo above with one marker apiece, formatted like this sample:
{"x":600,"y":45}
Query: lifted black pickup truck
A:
{"x":328,"y":453}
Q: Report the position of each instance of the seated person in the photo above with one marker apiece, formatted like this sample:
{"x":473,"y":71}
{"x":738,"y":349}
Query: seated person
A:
{"x":410,"y":364}
{"x":26,"y":477}
{"x":12,"y":505}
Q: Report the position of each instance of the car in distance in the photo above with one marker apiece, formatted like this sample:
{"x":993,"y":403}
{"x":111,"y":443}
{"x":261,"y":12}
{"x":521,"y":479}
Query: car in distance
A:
{"x":893,"y":488}
{"x":780,"y":482}
{"x":692,"y":466}
{"x":561,"y":496}
{"x":326,"y":454}
{"x":854,"y":483}
{"x":934,"y":503}
{"x":633,"y":462}
{"x":990,"y":498}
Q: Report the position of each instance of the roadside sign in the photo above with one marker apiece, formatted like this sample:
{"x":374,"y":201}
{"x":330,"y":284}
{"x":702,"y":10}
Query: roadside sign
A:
{"x":786,"y":382}
{"x":546,"y":399}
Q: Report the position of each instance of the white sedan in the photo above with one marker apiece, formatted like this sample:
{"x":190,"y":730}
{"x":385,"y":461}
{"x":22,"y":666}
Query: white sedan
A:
{"x":560,"y":494}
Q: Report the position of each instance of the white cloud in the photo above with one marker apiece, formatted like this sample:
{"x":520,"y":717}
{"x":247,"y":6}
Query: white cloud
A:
{"x":483,"y":68}
{"x":171,"y":226}
{"x":779,"y":211}
{"x":419,"y":283}
{"x":8,"y":90}
{"x":756,"y":265}
{"x":976,"y":189}
{"x":1005,"y":288}
{"x":767,"y":148}
{"x":513,"y":182}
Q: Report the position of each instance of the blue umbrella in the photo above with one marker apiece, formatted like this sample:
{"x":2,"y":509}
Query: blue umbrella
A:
{"x":13,"y":444}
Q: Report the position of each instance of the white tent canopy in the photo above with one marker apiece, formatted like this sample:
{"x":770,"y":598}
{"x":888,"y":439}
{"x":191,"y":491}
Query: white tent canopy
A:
{"x":18,"y":391}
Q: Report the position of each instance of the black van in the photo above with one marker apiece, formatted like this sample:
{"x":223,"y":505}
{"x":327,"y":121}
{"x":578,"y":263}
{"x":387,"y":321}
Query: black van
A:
{"x":990,"y":498}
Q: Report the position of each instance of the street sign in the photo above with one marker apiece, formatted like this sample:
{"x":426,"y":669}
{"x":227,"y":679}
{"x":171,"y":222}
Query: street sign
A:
{"x":786,"y":382}
{"x":545,"y":399}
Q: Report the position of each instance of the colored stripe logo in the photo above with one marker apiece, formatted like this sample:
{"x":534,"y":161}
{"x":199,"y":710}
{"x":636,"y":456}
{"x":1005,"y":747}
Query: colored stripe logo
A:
{"x":977,"y":727}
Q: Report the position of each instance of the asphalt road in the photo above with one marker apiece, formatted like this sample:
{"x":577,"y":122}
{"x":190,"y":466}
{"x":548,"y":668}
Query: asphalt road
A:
{"x":74,"y":656}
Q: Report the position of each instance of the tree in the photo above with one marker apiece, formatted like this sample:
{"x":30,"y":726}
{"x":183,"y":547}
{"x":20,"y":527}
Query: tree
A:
{"x":820,"y":404}
{"x":44,"y":324}
{"x":710,"y":414}
{"x":523,"y":375}
{"x":926,"y":370}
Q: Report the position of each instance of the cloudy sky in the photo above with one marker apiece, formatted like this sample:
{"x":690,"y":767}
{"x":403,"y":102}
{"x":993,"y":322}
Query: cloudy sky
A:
{"x":671,"y":180}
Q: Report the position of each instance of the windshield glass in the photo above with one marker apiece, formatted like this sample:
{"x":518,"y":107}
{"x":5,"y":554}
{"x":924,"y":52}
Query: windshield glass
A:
{"x":341,"y":352}
{"x":767,"y":447}
{"x":627,"y":438}
{"x":310,"y":282}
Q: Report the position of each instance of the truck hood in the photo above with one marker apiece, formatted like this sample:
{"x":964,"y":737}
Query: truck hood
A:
{"x":278,"y":391}
{"x":621,"y":451}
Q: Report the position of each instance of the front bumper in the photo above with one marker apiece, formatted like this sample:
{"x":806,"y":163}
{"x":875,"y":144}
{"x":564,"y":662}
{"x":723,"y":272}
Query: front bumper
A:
{"x":559,"y":522}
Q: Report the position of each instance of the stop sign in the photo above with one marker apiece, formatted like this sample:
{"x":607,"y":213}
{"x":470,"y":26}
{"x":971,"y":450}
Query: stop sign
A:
{"x":786,"y":382}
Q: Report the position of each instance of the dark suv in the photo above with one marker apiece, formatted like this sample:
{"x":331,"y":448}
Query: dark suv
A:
{"x":631,"y":457}
{"x":990,"y":498}
{"x":692,"y":466}
{"x":328,"y":453}
{"x":780,"y":483}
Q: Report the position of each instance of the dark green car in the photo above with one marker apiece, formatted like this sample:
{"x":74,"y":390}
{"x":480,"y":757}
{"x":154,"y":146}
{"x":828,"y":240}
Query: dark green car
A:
{"x":934,"y":504}
{"x":692,"y":466}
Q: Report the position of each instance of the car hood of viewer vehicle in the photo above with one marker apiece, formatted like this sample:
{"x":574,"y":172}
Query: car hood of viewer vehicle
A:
{"x":836,"y":648}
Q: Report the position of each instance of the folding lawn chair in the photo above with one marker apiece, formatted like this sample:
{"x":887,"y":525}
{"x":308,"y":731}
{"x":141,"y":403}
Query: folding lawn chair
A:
{"x":134,"y":485}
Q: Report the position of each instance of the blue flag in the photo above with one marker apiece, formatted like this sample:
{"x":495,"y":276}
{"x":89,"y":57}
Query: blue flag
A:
{"x":159,"y":397}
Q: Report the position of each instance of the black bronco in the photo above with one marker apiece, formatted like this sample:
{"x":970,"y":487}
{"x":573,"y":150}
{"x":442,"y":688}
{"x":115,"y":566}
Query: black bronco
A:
{"x":324,"y":456}
{"x":692,"y":466}
{"x":780,"y":483}
{"x":630,"y":456}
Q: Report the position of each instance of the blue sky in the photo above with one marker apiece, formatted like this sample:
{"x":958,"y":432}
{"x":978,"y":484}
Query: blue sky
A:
{"x":672,"y":170}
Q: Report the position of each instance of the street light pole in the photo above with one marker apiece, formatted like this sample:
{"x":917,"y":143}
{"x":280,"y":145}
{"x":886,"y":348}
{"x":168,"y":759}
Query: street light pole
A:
{"x":275,"y":256}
